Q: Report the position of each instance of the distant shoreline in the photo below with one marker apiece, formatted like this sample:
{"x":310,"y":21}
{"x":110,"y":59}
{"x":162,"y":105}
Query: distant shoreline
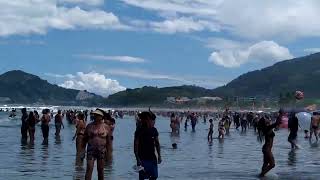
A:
{"x":157,"y":109}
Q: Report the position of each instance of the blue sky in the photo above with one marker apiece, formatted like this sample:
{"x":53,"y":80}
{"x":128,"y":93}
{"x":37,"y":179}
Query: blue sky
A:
{"x":107,"y":46}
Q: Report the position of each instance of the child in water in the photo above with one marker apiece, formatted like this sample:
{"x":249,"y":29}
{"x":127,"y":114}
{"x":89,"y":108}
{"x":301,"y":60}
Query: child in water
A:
{"x":210,"y":131}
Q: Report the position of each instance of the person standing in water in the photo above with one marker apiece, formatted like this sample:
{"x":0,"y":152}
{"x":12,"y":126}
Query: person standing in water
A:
{"x":173,"y":123}
{"x":314,"y":126}
{"x":45,"y":120}
{"x":24,"y":124}
{"x":146,"y":140}
{"x":244,"y":123}
{"x":267,"y":130}
{"x":58,"y":121}
{"x":227,"y":124}
{"x":194,"y":120}
{"x":95,"y":136}
{"x":221,"y":129}
{"x":293,"y":125}
{"x":79,"y":135}
{"x":237,"y":120}
{"x":110,"y":122}
{"x":32,"y":121}
{"x":210,"y":131}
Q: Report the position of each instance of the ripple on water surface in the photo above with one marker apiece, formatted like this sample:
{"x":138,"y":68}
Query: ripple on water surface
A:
{"x":238,"y":156}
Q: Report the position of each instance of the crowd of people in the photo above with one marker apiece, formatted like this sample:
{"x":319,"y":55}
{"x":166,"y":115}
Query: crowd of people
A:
{"x":95,"y":139}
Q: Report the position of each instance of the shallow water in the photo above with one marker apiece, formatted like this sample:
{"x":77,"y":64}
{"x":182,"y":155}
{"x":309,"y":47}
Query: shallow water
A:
{"x":238,"y":156}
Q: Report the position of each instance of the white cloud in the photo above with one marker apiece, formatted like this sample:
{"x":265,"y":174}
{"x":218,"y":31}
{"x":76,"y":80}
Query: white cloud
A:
{"x":182,"y":24}
{"x":259,"y":20}
{"x":128,"y":59}
{"x":93,"y":82}
{"x":39,"y":16}
{"x":264,"y":53}
{"x":87,"y":2}
{"x":312,"y":50}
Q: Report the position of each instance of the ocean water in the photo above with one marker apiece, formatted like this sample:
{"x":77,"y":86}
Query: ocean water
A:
{"x":238,"y":156}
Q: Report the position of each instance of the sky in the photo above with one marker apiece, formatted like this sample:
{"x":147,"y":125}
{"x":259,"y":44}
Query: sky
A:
{"x":106,"y":46}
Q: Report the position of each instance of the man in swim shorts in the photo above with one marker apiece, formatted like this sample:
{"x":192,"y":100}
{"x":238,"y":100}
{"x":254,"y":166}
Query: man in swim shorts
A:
{"x":95,"y":136}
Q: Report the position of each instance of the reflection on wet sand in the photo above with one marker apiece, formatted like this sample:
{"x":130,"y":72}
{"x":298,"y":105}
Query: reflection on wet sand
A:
{"x":292,"y":158}
{"x":79,"y":172}
{"x":57,"y":140}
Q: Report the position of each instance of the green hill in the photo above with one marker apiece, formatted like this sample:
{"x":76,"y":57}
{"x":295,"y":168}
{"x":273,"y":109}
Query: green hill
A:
{"x":154,"y":96}
{"x":286,"y":76}
{"x":282,"y":78}
{"x":20,"y":87}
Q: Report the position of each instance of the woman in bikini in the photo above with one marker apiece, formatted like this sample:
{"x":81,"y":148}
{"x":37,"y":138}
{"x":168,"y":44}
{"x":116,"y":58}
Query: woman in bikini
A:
{"x":267,"y":131}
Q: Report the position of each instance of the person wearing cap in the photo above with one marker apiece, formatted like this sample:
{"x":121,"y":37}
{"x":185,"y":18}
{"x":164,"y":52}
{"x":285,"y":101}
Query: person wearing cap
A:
{"x":146,"y":140}
{"x":95,"y":136}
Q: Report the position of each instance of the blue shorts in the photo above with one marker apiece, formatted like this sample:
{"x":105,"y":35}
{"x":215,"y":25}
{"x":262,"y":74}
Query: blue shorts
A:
{"x":150,"y":169}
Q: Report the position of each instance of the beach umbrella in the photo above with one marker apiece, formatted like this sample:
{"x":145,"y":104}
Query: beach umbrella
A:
{"x":304,"y":119}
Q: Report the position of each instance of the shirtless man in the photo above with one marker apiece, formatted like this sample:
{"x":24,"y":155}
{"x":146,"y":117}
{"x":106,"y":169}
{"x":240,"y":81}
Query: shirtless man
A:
{"x":314,"y":126}
{"x":58,"y":122}
{"x":45,"y":120}
{"x":95,"y":136}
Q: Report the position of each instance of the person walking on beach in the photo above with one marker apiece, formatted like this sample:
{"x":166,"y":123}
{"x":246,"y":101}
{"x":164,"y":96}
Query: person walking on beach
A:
{"x":267,"y":130}
{"x":32,"y":121}
{"x":146,"y":140}
{"x":24,"y":124}
{"x":45,"y":120}
{"x":79,"y":135}
{"x":210,"y":134}
{"x":58,"y":121}
{"x":95,"y":136}
{"x":293,"y":125}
